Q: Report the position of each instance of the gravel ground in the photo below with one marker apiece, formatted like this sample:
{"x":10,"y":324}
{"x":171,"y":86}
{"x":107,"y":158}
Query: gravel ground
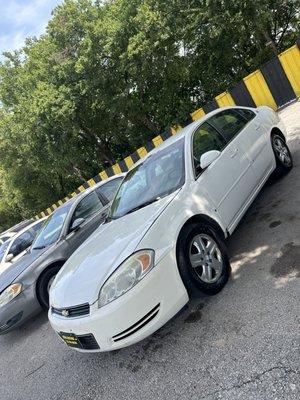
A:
{"x":241,"y":344}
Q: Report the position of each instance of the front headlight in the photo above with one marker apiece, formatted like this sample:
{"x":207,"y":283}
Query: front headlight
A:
{"x":10,"y":293}
{"x":128,"y":274}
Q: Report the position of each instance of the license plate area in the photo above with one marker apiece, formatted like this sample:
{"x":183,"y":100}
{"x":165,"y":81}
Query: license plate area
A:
{"x":70,"y":339}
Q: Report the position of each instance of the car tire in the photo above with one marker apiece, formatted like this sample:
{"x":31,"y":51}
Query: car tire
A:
{"x":283,"y":157}
{"x":213,"y":271}
{"x":43,"y":285}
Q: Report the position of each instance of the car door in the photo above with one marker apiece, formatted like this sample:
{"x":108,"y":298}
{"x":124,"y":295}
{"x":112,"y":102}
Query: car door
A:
{"x":93,"y":211}
{"x":229,"y":180}
{"x":256,"y":140}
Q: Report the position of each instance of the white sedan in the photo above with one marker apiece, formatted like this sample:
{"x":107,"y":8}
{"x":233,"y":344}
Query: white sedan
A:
{"x":164,"y":240}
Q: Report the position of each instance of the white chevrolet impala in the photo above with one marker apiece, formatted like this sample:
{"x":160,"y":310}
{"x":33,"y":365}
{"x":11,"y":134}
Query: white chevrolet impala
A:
{"x":164,"y":240}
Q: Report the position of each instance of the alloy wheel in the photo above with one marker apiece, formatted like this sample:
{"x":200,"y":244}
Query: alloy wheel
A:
{"x":282,"y":151}
{"x":205,"y":258}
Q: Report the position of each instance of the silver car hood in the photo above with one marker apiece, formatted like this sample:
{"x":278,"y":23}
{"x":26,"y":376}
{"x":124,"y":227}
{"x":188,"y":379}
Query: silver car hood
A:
{"x":80,"y":279}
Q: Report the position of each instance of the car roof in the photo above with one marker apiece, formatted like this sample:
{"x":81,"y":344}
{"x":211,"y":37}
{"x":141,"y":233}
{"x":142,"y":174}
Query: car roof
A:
{"x":81,"y":195}
{"x":183,"y":133}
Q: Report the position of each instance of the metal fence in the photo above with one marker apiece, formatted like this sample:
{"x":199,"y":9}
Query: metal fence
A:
{"x":275,"y":84}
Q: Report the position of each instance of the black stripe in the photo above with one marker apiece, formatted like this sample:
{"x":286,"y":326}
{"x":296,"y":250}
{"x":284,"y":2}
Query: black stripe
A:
{"x":211,"y":106}
{"x":135,"y":156}
{"x":138,"y":322}
{"x":241,"y":95}
{"x":97,"y":178}
{"x":187,"y":121}
{"x":278,"y":82}
{"x":77,"y":191}
{"x":166,"y":135}
{"x":110,"y":172}
{"x":86,"y":185}
{"x":149,"y":146}
{"x":123,"y":166}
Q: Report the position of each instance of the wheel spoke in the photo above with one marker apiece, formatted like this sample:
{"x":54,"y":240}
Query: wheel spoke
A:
{"x":216,"y":265}
{"x":196,"y":260}
{"x":206,"y":273}
{"x":211,"y":247}
{"x":200,"y":244}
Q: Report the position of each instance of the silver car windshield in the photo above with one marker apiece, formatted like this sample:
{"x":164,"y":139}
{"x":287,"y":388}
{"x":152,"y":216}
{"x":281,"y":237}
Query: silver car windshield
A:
{"x":3,"y":248}
{"x":159,"y":175}
{"x":52,"y":228}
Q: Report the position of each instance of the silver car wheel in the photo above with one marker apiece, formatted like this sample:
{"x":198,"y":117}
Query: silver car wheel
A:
{"x":205,"y":258}
{"x":282,"y":151}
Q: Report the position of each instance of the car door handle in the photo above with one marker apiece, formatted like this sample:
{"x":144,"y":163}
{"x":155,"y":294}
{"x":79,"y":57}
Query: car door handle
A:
{"x":234,"y":153}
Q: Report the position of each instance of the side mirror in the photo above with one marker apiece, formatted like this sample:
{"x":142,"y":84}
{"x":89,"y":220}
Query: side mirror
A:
{"x":76,"y":224}
{"x":9,"y":257}
{"x":209,"y":157}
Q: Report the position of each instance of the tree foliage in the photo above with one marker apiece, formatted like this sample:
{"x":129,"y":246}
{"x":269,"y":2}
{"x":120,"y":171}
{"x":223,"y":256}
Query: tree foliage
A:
{"x":109,"y":75}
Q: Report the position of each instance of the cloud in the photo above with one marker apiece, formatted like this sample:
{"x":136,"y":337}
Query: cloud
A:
{"x":22,"y":18}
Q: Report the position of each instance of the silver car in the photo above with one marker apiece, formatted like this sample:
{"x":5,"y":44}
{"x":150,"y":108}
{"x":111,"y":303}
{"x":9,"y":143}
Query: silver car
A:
{"x":24,"y":286}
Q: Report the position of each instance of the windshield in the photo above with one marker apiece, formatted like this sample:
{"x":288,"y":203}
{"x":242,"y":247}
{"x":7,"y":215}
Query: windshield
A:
{"x":51,"y":230}
{"x":159,"y":175}
{"x":3,"y":248}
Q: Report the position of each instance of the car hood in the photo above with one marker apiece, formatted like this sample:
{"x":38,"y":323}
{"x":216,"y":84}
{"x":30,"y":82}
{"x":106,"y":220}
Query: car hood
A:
{"x":9,"y":274}
{"x":82,"y":276}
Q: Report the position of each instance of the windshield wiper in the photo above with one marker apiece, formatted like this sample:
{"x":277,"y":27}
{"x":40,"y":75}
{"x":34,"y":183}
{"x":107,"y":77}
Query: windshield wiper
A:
{"x":39,"y":247}
{"x":146,"y":203}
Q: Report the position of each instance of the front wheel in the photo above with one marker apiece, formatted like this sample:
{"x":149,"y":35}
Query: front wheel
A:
{"x":43,"y":285}
{"x":283,"y":157}
{"x":203,"y":261}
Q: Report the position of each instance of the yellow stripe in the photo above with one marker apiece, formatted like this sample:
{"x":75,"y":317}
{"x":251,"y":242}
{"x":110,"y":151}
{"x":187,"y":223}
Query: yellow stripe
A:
{"x":290,"y":61}
{"x":157,"y":140}
{"x":175,"y":129}
{"x":103,"y":175}
{"x":49,"y":211}
{"x":225,"y":99}
{"x":54,"y":206}
{"x":91,"y":182}
{"x":73,"y":194}
{"x":142,"y":152}
{"x":60,"y":202}
{"x":67,"y":198}
{"x":129,"y":162}
{"x":116,"y":168}
{"x":197,"y":114}
{"x":81,"y":188}
{"x":259,"y":90}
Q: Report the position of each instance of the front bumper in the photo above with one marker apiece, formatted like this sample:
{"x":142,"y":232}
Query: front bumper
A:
{"x":17,"y":311}
{"x":133,"y":316}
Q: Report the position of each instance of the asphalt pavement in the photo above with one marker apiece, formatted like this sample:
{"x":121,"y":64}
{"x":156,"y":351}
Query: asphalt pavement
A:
{"x":243,"y":343}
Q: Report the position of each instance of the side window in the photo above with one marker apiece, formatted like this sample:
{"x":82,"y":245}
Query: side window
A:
{"x":36,"y":228}
{"x":109,"y":189}
{"x":87,"y":206}
{"x":247,"y":114}
{"x":229,"y":123}
{"x":206,"y":138}
{"x":21,"y":243}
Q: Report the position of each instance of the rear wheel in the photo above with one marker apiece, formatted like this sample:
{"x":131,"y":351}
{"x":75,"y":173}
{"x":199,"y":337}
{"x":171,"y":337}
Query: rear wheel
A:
{"x":284,"y":160}
{"x":44,"y":283}
{"x":202,"y":260}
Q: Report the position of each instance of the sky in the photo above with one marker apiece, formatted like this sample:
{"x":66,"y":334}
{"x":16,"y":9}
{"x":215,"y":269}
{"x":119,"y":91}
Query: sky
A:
{"x":22,"y":18}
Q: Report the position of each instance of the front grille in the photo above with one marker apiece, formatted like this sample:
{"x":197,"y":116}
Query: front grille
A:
{"x":138,"y":325}
{"x":69,"y":312}
{"x":88,"y":342}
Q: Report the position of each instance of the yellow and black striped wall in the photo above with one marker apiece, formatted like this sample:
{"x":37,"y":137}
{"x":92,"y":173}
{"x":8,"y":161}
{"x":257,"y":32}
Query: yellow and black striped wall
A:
{"x":275,"y":84}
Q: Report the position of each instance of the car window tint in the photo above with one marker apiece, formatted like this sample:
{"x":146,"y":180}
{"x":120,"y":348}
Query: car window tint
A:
{"x":109,"y":189}
{"x":3,"y":248}
{"x":87,"y":206}
{"x":247,"y":114}
{"x":229,"y":123}
{"x":37,"y":227}
{"x":206,"y":138}
{"x":21,"y":243}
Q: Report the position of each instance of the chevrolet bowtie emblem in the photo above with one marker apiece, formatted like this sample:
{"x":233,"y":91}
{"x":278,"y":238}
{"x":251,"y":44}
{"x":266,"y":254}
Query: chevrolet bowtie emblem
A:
{"x":65,"y":313}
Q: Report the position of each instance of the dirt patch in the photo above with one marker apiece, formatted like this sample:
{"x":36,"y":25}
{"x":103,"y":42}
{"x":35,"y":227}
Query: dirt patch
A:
{"x":274,"y":224}
{"x":194,"y":316}
{"x":288,"y":262}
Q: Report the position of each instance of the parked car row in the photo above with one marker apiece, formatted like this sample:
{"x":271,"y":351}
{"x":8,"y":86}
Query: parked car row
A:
{"x":117,"y":273}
